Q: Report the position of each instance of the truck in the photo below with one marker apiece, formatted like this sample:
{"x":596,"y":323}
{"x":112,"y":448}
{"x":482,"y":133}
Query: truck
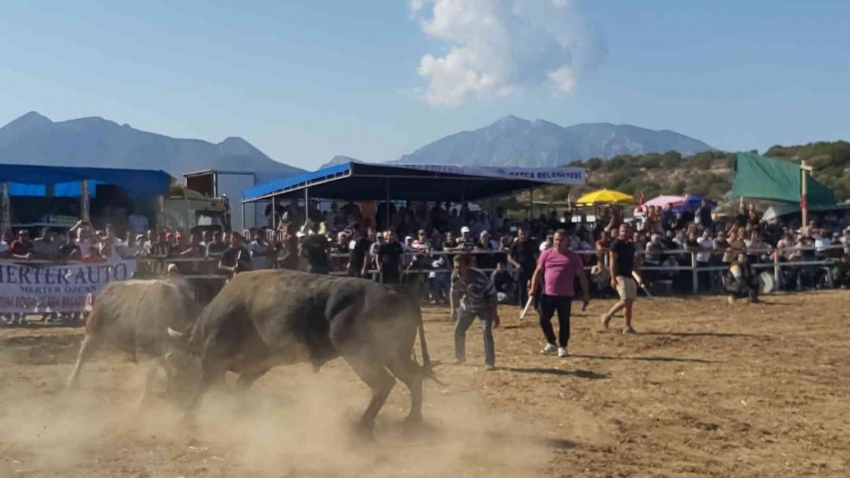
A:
{"x":185,"y":210}
{"x":228,"y":186}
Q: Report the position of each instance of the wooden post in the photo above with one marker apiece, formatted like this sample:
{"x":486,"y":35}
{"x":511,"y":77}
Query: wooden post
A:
{"x":85,"y":202}
{"x":389,"y":220}
{"x":5,"y":208}
{"x":695,"y":272}
{"x":804,"y":207}
{"x":777,"y":272}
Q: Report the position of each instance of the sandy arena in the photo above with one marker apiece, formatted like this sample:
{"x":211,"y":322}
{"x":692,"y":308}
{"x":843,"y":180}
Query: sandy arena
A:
{"x":705,"y":389}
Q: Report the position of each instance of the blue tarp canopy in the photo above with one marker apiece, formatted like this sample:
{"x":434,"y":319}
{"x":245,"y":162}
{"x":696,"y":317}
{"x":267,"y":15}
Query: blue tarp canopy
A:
{"x":378,"y":182}
{"x":27,"y":180}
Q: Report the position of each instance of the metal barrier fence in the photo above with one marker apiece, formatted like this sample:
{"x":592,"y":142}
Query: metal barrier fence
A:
{"x":206,"y":268}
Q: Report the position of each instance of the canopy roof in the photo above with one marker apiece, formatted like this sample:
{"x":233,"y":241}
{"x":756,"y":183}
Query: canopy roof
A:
{"x":604,"y":196}
{"x":412,"y":182}
{"x":133,"y":181}
{"x":760,"y":177}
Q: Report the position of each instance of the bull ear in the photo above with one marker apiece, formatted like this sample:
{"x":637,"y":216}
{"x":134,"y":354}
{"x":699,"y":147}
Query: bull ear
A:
{"x":175,"y":334}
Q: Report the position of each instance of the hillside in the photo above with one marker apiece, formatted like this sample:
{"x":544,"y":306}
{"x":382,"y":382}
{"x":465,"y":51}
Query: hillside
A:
{"x":513,"y":141}
{"x":708,"y":173}
{"x":96,"y":142}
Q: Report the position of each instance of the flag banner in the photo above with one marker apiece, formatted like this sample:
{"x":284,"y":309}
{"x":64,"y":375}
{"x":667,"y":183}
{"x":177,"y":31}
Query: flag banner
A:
{"x":566,"y":176}
{"x":35,"y":288}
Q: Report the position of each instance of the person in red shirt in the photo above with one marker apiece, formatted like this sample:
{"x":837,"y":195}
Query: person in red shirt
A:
{"x":22,"y":247}
{"x":558,"y":267}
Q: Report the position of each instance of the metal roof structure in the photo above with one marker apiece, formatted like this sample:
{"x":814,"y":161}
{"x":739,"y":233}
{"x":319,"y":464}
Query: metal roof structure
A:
{"x":412,"y":182}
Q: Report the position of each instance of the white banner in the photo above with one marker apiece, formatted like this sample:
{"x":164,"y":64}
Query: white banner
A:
{"x":37,"y":288}
{"x":565,"y":176}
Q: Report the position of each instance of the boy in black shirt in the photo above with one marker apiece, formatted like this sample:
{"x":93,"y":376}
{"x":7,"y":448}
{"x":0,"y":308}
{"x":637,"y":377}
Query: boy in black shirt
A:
{"x":622,"y":262}
{"x":389,"y":259}
{"x":316,"y":248}
{"x":237,"y":258}
{"x":523,"y":256}
{"x":357,"y":263}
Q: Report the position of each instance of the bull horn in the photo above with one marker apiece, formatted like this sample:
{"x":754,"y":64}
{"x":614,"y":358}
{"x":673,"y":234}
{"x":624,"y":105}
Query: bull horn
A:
{"x":174,"y":334}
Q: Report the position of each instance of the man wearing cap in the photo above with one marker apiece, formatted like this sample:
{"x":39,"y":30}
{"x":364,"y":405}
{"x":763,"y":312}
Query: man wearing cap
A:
{"x":22,"y":247}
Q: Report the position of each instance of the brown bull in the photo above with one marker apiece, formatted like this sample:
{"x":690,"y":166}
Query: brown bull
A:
{"x":266,"y":318}
{"x":136,"y":315}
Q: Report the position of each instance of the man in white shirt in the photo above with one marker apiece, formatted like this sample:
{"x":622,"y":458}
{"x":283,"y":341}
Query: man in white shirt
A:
{"x":138,"y":223}
{"x":846,"y":240}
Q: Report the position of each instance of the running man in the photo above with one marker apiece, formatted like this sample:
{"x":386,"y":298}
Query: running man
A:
{"x":621,"y":257}
{"x":558,"y":267}
{"x":473,"y":295}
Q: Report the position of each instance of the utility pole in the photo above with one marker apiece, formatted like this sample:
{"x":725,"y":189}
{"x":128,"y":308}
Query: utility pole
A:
{"x":804,"y":207}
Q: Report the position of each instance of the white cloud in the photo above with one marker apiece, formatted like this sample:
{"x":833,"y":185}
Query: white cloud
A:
{"x":501,"y":47}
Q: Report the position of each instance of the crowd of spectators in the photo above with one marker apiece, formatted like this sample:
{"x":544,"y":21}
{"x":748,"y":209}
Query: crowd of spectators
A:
{"x":419,"y":239}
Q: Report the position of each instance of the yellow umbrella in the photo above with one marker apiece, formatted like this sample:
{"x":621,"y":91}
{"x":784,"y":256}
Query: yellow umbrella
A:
{"x":604,"y":196}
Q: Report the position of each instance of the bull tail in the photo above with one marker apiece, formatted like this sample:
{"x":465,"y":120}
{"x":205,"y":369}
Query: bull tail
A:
{"x":427,"y":365}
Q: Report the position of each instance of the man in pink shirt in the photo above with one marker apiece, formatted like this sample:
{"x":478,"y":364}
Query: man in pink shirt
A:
{"x":558,"y":267}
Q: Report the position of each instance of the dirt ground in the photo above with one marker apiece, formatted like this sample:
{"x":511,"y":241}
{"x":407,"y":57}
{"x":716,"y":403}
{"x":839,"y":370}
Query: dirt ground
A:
{"x":704,"y":389}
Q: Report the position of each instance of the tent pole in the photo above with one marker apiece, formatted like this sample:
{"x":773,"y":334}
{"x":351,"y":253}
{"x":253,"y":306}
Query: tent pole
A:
{"x":306,"y":206}
{"x":274,"y":213}
{"x":85,"y":203}
{"x":804,"y":206}
{"x":388,"y":205}
{"x":5,"y":208}
{"x":243,"y":217}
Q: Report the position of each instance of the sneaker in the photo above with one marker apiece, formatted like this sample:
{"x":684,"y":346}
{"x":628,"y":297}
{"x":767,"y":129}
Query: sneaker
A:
{"x":629,"y":330}
{"x":489,"y":367}
{"x":549,"y":349}
{"x":562,"y":352}
{"x":605,"y":319}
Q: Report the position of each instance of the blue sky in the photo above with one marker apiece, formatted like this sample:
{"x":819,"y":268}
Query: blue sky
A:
{"x":306,"y":80}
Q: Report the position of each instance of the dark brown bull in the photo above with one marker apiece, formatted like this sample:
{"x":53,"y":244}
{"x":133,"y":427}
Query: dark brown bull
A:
{"x":136,"y":315}
{"x":266,"y":318}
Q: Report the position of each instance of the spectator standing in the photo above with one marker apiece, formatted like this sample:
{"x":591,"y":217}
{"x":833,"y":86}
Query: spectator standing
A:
{"x":289,"y":261}
{"x":6,"y":245}
{"x":260,"y":250}
{"x":139,"y":223}
{"x":473,"y":295}
{"x":46,"y":247}
{"x":390,"y":259}
{"x":484,"y":258}
{"x":237,"y":257}
{"x":22,"y":247}
{"x":621,"y":258}
{"x":706,"y":245}
{"x":358,"y":262}
{"x":316,"y":248}
{"x":558,"y":267}
{"x":216,"y":246}
{"x":547,"y":244}
{"x":523,"y":256}
{"x":703,"y":216}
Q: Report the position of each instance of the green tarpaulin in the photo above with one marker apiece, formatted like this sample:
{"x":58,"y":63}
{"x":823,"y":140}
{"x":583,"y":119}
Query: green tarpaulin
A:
{"x":759,"y":177}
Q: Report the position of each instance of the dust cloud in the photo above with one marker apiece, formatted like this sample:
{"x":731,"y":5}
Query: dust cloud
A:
{"x":293,"y":423}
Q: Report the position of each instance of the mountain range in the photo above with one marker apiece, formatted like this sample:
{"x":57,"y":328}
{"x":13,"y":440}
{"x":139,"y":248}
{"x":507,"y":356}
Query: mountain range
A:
{"x":96,"y":142}
{"x":510,"y":141}
{"x":513,"y":141}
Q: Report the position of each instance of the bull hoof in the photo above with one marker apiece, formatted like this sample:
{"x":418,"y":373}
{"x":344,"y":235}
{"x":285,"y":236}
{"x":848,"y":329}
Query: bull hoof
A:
{"x":365,"y":432}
